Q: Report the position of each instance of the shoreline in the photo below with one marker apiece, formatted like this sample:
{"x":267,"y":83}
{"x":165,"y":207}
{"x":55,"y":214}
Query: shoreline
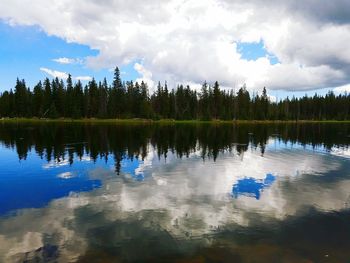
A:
{"x":166,"y":121}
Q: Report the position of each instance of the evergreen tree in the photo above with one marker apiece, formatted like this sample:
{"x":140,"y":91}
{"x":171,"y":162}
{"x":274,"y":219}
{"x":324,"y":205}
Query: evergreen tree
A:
{"x":38,"y":100}
{"x":69,"y":98}
{"x":103,"y":99}
{"x":117,"y":96}
{"x":132,"y":100}
{"x":21,"y":99}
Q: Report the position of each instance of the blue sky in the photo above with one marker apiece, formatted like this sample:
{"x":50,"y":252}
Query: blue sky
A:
{"x":255,"y":50}
{"x":26,"y":49}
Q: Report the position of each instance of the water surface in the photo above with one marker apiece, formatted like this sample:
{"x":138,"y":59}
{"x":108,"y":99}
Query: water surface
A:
{"x":174,"y":193}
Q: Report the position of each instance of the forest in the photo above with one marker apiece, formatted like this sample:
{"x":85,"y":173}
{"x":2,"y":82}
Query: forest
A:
{"x":123,"y":100}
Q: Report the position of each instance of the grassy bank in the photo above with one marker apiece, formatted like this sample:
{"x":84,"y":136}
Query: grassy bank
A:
{"x":162,"y":121}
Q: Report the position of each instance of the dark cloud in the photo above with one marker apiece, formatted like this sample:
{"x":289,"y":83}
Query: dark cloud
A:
{"x":336,"y":11}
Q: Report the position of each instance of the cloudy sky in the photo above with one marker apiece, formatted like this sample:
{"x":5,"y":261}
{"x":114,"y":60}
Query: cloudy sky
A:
{"x":287,"y":46}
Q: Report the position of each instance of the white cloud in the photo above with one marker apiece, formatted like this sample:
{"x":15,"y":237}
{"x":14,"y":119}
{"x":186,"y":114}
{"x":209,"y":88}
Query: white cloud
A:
{"x":63,"y":75}
{"x":65,"y":60}
{"x":272,"y":98}
{"x":55,"y":73}
{"x":66,"y":175}
{"x":342,"y":89}
{"x":146,"y":75}
{"x":192,"y":41}
{"x":83,"y":78}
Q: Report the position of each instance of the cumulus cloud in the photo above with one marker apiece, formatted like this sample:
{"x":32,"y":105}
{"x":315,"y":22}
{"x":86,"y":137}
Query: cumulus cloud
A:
{"x":342,"y":89}
{"x":146,"y":75}
{"x":65,"y":60}
{"x":192,"y":41}
{"x":83,"y":78}
{"x":55,"y":73}
{"x":63,"y":75}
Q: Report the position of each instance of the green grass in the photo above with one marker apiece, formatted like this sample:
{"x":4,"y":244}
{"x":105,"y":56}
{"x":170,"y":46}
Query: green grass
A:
{"x":162,"y":121}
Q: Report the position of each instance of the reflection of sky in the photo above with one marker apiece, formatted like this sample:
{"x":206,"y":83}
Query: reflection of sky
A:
{"x":33,"y":182}
{"x":184,"y":197}
{"x":252,"y":187}
{"x":131,"y":167}
{"x":275,"y":143}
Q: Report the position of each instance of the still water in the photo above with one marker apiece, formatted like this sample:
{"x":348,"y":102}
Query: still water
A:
{"x":176,"y":193}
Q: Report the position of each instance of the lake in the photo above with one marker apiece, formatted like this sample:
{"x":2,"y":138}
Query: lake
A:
{"x":174,"y":193}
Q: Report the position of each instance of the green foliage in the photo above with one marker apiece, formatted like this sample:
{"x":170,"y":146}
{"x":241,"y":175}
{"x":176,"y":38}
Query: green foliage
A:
{"x":55,"y":98}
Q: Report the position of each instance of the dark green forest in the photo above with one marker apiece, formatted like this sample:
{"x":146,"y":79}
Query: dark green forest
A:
{"x":58,"y":99}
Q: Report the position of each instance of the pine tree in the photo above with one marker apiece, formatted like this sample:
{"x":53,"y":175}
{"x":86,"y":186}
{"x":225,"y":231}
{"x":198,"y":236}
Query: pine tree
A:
{"x":52,"y":99}
{"x":38,"y":100}
{"x":69,"y":98}
{"x":116,"y":96}
{"x":21,"y":99}
{"x":103,"y":99}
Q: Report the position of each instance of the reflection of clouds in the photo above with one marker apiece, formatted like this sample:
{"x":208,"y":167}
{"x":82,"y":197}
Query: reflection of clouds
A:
{"x":190,"y":186}
{"x":185,"y":197}
{"x":30,"y":242}
{"x":66,"y":175}
{"x":61,"y":163}
{"x":340,"y":152}
{"x":145,"y":164}
{"x":55,"y":164}
{"x":305,"y":193}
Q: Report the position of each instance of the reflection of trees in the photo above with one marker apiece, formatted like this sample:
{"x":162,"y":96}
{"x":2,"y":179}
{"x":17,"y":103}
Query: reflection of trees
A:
{"x":68,"y":141}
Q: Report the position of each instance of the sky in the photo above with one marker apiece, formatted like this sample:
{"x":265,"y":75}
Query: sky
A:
{"x":290,"y":47}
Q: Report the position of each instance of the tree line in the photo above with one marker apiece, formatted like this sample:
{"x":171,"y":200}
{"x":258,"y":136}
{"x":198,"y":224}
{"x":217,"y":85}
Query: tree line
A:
{"x":56,"y":98}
